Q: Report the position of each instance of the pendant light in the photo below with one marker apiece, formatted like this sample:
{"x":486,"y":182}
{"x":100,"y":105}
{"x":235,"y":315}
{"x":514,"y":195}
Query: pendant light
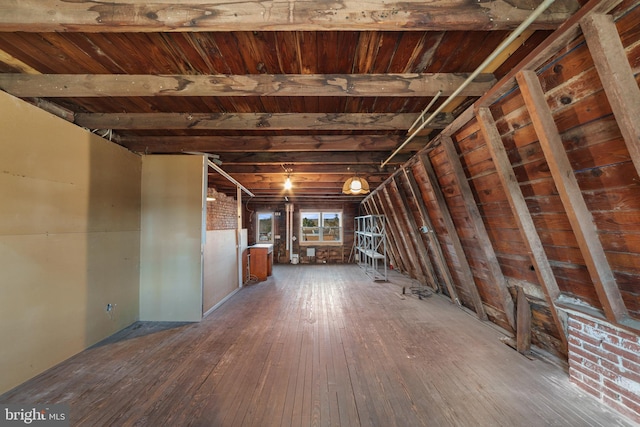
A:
{"x":355,"y":186}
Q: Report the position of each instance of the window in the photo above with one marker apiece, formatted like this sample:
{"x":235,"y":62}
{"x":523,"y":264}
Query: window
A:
{"x":321,"y":227}
{"x":265,"y":227}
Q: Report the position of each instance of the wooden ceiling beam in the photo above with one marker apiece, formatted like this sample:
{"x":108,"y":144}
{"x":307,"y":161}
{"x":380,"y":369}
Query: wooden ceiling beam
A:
{"x":309,"y":180}
{"x":239,"y":144}
{"x":346,"y":158}
{"x":354,"y":85}
{"x":306,"y":168}
{"x":303,"y":15}
{"x":256,"y":121}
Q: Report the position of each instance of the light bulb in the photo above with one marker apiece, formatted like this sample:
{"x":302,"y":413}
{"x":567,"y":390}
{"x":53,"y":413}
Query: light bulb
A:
{"x":287,"y":184}
{"x":356,"y":185}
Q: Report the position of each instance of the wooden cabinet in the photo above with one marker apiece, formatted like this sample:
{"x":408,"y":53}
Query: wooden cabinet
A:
{"x":261,"y":260}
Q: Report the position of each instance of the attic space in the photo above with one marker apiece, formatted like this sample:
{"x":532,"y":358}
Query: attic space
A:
{"x":311,"y":213}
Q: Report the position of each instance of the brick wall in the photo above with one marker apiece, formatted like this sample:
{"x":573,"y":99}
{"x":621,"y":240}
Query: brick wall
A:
{"x":222,"y":214}
{"x":604,"y":361}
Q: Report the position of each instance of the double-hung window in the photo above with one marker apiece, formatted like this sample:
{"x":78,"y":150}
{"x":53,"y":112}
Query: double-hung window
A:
{"x":264,"y":232}
{"x":320,"y":226}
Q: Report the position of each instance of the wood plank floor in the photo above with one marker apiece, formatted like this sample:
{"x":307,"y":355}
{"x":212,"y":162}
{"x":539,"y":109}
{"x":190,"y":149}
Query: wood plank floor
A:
{"x":315,"y":345}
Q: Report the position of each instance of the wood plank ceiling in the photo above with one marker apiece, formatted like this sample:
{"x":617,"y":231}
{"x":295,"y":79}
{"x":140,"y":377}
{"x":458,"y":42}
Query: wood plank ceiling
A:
{"x":324,"y":90}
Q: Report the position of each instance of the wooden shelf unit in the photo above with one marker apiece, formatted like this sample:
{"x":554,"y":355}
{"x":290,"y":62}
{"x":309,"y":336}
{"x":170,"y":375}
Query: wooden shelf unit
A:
{"x":371,"y":245}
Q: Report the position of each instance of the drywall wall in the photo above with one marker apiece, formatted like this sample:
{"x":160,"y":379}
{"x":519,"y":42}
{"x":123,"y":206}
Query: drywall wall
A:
{"x":69,"y":239}
{"x":220,"y":267}
{"x":171,"y":237}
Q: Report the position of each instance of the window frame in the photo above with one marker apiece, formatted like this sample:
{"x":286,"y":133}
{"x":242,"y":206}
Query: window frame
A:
{"x":272,"y":215}
{"x":304,"y":237}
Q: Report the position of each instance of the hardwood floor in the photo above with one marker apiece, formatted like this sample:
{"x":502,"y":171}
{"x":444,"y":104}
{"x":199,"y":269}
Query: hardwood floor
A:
{"x":315,"y":345}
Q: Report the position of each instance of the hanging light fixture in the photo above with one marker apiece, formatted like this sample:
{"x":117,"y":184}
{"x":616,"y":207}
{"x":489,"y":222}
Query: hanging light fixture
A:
{"x":355,"y":186}
{"x":287,"y":182}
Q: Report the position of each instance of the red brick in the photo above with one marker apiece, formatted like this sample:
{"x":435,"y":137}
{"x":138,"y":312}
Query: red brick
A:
{"x":634,"y":407}
{"x":574,"y":324}
{"x":631,"y":356}
{"x":589,"y":386}
{"x":584,"y":321}
{"x":574,"y":341}
{"x":630,"y":346}
{"x":630,"y":366}
{"x":580,"y":356}
{"x":601,"y":352}
{"x":589,"y":355}
{"x":619,"y":390}
{"x":622,"y":371}
{"x":629,"y":337}
{"x":590,"y":340}
{"x":587,"y":372}
{"x":621,"y":408}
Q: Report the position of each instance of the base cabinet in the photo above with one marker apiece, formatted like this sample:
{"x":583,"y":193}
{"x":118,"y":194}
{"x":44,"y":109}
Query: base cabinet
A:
{"x":261,"y":261}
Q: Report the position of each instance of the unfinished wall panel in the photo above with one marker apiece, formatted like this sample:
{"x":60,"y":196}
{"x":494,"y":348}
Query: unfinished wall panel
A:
{"x":423,"y":237}
{"x":69,"y":240}
{"x":541,"y":195}
{"x":505,"y":236}
{"x":445,"y":240}
{"x":599,"y":157}
{"x":467,"y":235}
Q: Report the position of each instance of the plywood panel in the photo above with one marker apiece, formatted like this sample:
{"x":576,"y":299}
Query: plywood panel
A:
{"x":69,"y":239}
{"x":171,"y":238}
{"x":220,"y":267}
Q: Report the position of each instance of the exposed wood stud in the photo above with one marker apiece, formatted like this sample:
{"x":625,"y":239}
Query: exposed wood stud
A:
{"x":617,"y":78}
{"x":483,"y":240}
{"x":568,"y":31}
{"x":408,"y":252}
{"x":360,"y":85}
{"x":433,"y":240}
{"x":468,"y":283}
{"x":412,"y":231}
{"x":577,"y":211}
{"x":522,"y":216}
{"x":392,"y":240}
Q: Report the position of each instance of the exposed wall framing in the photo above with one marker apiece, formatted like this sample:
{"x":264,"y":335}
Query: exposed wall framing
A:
{"x":533,"y":193}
